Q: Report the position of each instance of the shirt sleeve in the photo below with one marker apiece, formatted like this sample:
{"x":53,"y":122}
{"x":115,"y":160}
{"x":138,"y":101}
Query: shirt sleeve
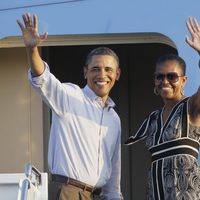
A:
{"x":52,"y":91}
{"x":112,"y":189}
{"x":142,"y":131}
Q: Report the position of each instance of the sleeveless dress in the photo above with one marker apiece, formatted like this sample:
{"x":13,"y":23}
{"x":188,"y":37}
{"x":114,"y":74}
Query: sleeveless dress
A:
{"x":174,"y":146}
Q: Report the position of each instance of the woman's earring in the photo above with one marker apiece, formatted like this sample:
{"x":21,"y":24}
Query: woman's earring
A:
{"x":182,"y":92}
{"x":155,"y":91}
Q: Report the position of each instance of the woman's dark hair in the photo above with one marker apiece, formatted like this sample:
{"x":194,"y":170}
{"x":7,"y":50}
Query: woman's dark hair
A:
{"x":101,"y":51}
{"x":172,"y":57}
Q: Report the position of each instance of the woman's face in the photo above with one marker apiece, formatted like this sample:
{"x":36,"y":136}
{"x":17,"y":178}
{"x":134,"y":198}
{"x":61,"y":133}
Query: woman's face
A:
{"x":169,"y":80}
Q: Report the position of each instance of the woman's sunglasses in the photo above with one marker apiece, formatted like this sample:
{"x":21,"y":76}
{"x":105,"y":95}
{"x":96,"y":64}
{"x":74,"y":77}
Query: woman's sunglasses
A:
{"x":172,"y":77}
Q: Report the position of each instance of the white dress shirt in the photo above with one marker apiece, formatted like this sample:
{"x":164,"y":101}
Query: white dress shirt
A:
{"x":85,"y":138}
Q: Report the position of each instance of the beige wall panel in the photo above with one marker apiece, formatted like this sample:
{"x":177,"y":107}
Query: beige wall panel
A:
{"x":36,"y":130}
{"x":20,"y":114}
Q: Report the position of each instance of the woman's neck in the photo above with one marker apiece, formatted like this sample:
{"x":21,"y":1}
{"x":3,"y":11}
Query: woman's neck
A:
{"x":169,"y":104}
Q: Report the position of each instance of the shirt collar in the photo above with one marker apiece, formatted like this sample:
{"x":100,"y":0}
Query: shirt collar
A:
{"x":91,"y":94}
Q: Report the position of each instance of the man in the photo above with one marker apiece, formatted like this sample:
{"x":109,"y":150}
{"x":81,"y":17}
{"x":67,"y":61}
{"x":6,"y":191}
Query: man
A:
{"x":84,"y":149}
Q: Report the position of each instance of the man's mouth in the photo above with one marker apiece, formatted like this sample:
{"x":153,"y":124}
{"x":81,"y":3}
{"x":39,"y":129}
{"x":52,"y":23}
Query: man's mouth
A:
{"x":101,"y":83}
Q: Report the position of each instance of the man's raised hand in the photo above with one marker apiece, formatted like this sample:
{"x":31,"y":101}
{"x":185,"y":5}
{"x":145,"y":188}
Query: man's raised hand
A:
{"x":30,"y":32}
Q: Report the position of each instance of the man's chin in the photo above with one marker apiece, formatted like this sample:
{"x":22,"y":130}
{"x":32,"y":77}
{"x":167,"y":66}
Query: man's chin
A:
{"x":101,"y":95}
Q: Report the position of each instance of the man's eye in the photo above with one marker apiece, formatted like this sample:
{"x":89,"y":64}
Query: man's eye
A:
{"x":95,"y":69}
{"x":109,"y":69}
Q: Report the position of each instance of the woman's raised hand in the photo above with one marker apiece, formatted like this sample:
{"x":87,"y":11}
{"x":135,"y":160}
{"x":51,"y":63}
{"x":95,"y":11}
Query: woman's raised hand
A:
{"x":194,"y":29}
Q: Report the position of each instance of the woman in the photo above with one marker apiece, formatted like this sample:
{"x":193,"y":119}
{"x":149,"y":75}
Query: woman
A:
{"x":173,"y":132}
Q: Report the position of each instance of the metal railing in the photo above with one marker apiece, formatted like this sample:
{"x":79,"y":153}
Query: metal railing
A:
{"x":30,"y":171}
{"x":31,"y":182}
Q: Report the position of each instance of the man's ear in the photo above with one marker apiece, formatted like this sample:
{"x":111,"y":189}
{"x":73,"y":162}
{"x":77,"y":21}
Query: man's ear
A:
{"x":85,"y":72}
{"x":118,"y":73}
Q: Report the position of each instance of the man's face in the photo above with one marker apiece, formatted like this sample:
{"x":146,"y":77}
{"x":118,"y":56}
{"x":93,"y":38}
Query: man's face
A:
{"x":101,"y":74}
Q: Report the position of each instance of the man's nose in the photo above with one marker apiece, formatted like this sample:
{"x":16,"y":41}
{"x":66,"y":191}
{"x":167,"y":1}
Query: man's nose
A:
{"x":102,"y":72}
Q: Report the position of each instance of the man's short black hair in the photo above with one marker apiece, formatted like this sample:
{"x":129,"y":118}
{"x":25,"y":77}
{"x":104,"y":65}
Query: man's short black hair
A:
{"x":101,"y":51}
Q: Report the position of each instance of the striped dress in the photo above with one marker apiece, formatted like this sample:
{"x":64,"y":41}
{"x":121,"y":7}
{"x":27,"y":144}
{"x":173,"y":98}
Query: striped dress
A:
{"x":174,"y":146}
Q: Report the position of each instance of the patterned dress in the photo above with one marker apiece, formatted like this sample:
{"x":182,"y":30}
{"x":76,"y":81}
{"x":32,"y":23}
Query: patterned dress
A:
{"x":174,"y":146}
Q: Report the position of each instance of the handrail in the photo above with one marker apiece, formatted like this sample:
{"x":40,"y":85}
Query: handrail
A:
{"x":25,"y":185}
{"x":29,"y":170}
{"x":28,"y":181}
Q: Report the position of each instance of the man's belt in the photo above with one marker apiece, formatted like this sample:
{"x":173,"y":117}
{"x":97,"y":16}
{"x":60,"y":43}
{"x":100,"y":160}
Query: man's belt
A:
{"x":78,"y":184}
